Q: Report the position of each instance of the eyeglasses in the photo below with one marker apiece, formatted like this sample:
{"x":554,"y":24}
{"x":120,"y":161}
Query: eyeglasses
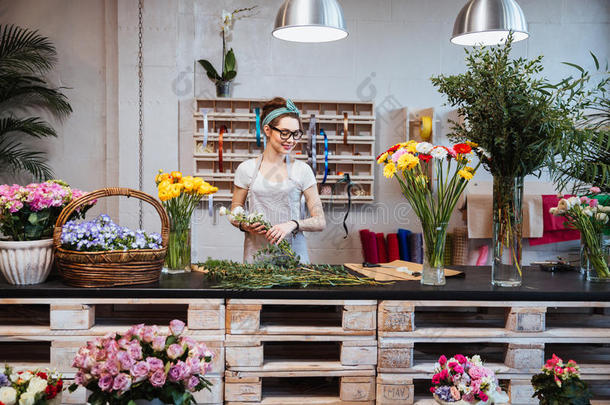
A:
{"x":286,"y":134}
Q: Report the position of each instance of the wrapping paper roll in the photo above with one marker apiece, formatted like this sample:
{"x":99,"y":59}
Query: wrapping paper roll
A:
{"x":369,"y":246}
{"x":393,"y":249}
{"x":416,"y":247}
{"x":382,"y":250}
{"x":403,"y":244}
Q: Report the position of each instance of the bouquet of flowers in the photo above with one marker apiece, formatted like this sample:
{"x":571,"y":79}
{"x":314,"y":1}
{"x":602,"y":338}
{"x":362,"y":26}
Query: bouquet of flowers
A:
{"x":241,"y":216}
{"x":462,"y":380}
{"x":29,"y":212}
{"x":411,"y":163}
{"x":180,"y":195}
{"x":35,"y":387}
{"x":103,"y":234}
{"x":143,"y":364}
{"x":560,"y":383}
{"x":591,"y":219}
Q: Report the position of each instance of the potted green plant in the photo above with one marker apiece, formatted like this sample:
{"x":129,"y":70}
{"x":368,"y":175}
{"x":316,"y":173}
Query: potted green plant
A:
{"x":517,"y":118}
{"x":560,"y":384}
{"x":228,"y":64}
{"x":25,"y":58}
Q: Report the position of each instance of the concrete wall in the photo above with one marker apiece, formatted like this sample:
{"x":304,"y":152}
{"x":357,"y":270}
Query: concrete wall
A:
{"x":393,"y":48}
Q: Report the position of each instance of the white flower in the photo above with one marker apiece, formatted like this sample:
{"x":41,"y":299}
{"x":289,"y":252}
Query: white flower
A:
{"x":604,"y":208}
{"x":251,"y":217}
{"x":476,"y":360}
{"x":8,"y":395}
{"x":222,"y":211}
{"x":603,"y":218}
{"x":574,"y":201}
{"x":238,"y":211}
{"x":37,"y":384}
{"x":439,"y":153}
{"x":484,"y":152}
{"x":588,"y":211}
{"x":27,"y":398}
{"x":564,"y":205}
{"x":424,"y":147}
{"x":227,"y":20}
{"x":553,"y":211}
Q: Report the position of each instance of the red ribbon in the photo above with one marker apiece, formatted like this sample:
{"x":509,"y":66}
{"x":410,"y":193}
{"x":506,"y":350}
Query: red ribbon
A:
{"x":223,"y":129}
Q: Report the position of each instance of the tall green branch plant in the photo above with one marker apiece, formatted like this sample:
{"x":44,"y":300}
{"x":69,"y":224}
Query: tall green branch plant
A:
{"x":519,"y":119}
{"x":25,"y":58}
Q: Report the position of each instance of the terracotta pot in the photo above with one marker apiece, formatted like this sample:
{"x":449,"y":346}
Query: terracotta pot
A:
{"x":26,"y":262}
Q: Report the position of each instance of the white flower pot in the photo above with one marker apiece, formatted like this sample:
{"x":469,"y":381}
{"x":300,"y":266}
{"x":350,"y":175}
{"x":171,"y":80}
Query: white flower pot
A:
{"x":27,"y":262}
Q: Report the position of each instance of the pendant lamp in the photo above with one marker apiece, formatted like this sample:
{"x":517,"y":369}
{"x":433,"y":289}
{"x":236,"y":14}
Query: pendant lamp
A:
{"x":488,"y":22}
{"x":310,"y":21}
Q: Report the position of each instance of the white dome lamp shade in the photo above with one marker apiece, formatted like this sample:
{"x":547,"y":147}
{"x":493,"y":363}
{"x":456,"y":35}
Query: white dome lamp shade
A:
{"x":488,"y":22}
{"x":310,"y":21}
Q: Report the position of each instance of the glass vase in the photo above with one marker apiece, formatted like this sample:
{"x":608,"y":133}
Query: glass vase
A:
{"x":596,"y":258}
{"x":507,"y":232}
{"x":433,"y":271}
{"x":178,"y":258}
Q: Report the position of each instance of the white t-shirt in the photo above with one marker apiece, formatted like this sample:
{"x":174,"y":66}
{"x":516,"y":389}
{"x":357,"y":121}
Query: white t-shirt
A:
{"x":301,"y":174}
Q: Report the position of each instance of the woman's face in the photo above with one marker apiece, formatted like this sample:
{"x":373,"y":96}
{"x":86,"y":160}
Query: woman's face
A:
{"x":276,"y":142}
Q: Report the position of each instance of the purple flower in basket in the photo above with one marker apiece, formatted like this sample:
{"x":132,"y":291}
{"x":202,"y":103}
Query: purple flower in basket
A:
{"x":444,"y":393}
{"x":4,"y":380}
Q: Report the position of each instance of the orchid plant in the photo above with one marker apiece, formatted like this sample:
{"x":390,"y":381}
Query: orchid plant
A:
{"x":228,"y":58}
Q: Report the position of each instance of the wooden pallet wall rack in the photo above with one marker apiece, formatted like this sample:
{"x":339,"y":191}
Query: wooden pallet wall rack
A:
{"x":357,"y":157}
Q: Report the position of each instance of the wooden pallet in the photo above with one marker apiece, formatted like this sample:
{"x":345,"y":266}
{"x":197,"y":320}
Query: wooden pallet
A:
{"x":251,"y":388}
{"x":298,"y":317}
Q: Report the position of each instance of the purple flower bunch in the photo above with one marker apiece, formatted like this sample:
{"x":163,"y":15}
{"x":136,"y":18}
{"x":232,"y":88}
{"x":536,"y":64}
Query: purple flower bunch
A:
{"x":29,"y":212}
{"x":102,"y":234}
{"x":143,"y":363}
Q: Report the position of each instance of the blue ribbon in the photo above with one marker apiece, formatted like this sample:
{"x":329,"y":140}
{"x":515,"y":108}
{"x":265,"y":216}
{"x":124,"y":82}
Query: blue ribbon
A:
{"x":257,"y":110}
{"x":211,"y":205}
{"x":325,"y":155}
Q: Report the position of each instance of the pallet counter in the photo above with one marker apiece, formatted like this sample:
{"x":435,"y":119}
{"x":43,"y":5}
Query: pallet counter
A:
{"x":373,"y":345}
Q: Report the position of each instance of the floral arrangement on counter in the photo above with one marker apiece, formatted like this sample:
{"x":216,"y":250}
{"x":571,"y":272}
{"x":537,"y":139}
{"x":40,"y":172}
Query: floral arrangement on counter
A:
{"x":179,"y":196}
{"x":30,"y":212}
{"x":102,"y":234}
{"x":560,"y":383}
{"x":32,"y":387}
{"x":411,"y":163}
{"x":462,"y":379}
{"x":144,"y":363}
{"x":591,"y":219}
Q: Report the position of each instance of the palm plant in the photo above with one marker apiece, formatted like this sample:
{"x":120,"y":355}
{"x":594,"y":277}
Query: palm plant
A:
{"x":584,"y":157}
{"x":25,"y":58}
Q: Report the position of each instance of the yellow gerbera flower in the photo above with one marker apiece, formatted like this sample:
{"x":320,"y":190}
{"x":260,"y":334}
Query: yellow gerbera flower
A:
{"x":407,"y":161}
{"x":382,"y":157}
{"x":465,"y":174}
{"x":176,"y":175}
{"x":472,"y":144}
{"x":469,"y":169}
{"x":389,"y":170}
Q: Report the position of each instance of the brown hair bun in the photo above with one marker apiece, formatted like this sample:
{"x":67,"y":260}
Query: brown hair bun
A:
{"x":274,"y":104}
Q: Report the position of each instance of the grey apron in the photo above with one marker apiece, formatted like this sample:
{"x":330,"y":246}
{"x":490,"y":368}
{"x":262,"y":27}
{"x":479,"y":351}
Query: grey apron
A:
{"x":278,"y":202}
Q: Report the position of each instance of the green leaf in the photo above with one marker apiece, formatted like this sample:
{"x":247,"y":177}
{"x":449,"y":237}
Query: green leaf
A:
{"x":595,"y":60}
{"x":230,"y":75}
{"x":229,"y":62}
{"x":574,"y":66}
{"x":211,"y":72}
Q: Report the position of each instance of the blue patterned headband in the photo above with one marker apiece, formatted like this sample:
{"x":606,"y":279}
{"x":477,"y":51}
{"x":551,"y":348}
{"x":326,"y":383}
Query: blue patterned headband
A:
{"x":290,"y":108}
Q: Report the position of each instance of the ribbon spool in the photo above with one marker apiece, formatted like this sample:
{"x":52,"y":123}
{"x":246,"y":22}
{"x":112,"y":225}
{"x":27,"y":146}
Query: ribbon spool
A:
{"x":223,"y":129}
{"x":323,"y":133}
{"x":204,"y":112}
{"x":257,"y":111}
{"x":425,"y":128}
{"x":345,"y":128}
{"x":311,"y":143}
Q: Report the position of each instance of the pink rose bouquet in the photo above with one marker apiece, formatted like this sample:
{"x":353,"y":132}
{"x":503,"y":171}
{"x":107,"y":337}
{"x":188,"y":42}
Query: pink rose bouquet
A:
{"x":461,"y":379}
{"x":560,"y":383}
{"x":30,"y":212}
{"x":143,"y":364}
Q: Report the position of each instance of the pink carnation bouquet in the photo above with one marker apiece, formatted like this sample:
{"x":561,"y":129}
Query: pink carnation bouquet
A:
{"x":29,"y":212}
{"x":464,"y":380}
{"x":143,"y":364}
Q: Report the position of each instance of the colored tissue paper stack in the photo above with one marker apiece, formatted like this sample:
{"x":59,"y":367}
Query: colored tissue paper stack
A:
{"x":403,"y":245}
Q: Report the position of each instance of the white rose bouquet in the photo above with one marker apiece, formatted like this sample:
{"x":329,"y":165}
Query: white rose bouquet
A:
{"x":32,"y":387}
{"x":591,"y":219}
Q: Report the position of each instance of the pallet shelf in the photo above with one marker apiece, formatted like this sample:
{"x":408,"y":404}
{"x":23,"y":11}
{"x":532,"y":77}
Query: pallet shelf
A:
{"x":357,"y":157}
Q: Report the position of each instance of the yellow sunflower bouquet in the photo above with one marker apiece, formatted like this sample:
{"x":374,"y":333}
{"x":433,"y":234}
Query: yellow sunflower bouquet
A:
{"x":433,"y":198}
{"x":180,"y":195}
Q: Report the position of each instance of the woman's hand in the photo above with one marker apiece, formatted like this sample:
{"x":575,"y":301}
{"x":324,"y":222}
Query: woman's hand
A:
{"x":278,"y":232}
{"x":255,"y":228}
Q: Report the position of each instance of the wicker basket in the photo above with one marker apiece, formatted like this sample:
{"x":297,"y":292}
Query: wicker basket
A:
{"x":110,"y":268}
